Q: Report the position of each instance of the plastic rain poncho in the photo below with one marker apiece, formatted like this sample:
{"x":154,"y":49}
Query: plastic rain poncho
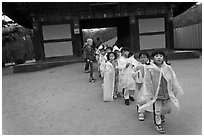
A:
{"x":108,"y":81}
{"x":155,"y":73}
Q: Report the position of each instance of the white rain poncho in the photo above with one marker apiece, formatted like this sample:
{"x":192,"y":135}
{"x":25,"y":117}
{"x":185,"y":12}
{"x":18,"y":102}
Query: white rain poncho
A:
{"x":143,"y":88}
{"x":108,"y":81}
{"x":126,"y":67}
{"x":154,"y":80}
{"x":133,"y":61}
{"x":102,"y":60}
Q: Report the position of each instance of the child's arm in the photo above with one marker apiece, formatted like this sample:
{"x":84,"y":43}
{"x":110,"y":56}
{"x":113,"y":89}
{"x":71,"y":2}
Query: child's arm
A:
{"x":149,"y":82}
{"x":102,"y":66}
{"x":176,"y":88}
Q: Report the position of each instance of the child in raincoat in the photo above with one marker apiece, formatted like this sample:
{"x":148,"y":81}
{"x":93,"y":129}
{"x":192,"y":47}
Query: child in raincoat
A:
{"x":98,"y":55}
{"x":101,"y":62}
{"x":110,"y":71}
{"x":164,"y":88}
{"x":141,"y":94}
{"x":126,"y":81}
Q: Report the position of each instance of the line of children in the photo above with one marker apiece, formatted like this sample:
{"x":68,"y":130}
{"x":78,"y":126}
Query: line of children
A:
{"x":154,"y":82}
{"x":124,"y":82}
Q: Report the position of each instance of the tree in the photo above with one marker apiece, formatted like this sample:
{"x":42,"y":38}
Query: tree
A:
{"x":16,"y":42}
{"x":189,"y":17}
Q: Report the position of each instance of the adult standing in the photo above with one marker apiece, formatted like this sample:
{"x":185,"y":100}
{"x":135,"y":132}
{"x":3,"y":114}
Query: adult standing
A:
{"x":88,"y":55}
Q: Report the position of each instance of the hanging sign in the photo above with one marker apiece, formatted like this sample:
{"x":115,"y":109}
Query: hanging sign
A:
{"x":76,"y":31}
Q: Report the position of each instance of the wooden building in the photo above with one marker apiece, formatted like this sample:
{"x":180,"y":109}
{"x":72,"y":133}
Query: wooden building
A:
{"x":57,"y":26}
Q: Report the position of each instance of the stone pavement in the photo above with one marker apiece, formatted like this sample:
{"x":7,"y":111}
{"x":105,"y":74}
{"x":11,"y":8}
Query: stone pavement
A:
{"x":61,"y":101}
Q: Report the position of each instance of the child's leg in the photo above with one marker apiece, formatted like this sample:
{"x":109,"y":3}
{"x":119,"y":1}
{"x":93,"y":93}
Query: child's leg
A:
{"x":91,"y":79}
{"x":166,"y":107}
{"x":131,"y":94}
{"x":140,"y":113}
{"x":126,"y":96}
{"x":91,"y":68}
{"x":157,"y":106}
{"x":126,"y":93}
{"x":115,"y":89}
{"x":86,"y":65}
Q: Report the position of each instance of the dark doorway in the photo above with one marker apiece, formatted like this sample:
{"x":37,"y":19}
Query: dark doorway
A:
{"x":106,"y":36}
{"x":122,"y":24}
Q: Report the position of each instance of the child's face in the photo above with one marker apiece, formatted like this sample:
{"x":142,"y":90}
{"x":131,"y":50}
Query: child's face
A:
{"x":108,"y":50}
{"x":103,"y":52}
{"x":126,"y":53}
{"x":118,"y":53}
{"x":158,"y":58}
{"x":143,"y":59}
{"x":112,"y":57}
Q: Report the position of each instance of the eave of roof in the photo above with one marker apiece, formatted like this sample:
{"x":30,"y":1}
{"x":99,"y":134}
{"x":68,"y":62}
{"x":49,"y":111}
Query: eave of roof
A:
{"x":11,"y":10}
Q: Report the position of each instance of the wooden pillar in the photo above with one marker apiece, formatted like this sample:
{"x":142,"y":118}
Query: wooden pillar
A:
{"x":169,"y":33}
{"x":37,"y":44}
{"x":41,"y":44}
{"x":77,"y":45}
{"x":134,"y":36}
{"x":76,"y":42}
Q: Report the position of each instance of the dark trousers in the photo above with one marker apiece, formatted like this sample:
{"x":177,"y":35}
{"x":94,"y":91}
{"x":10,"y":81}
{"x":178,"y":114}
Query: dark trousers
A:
{"x":86,"y":64}
{"x":89,"y":63}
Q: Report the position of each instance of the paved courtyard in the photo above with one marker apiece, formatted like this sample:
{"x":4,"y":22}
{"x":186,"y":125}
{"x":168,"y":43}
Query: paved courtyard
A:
{"x":61,"y":101}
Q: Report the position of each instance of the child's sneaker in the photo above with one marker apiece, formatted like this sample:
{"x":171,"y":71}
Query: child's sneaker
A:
{"x":91,"y":80}
{"x":160,"y":129}
{"x":131,"y":98}
{"x":115,"y":96}
{"x":141,"y":116}
{"x":86,"y":71}
{"x":162,"y":118}
{"x":138,"y":108}
{"x":119,"y":95}
{"x":127,"y":102}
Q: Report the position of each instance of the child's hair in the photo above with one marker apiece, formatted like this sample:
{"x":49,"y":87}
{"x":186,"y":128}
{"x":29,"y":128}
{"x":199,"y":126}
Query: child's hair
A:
{"x":102,"y":46}
{"x":108,"y":55}
{"x":103,"y":49}
{"x":115,"y":51}
{"x":109,"y":48}
{"x":162,"y":53}
{"x":89,"y":41}
{"x":126,"y":49}
{"x":148,"y":56}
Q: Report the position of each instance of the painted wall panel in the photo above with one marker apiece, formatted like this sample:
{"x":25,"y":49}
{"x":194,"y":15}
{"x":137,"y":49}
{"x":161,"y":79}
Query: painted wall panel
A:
{"x":55,"y":49}
{"x":151,"y":25}
{"x":60,"y":31}
{"x":152,"y":42}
